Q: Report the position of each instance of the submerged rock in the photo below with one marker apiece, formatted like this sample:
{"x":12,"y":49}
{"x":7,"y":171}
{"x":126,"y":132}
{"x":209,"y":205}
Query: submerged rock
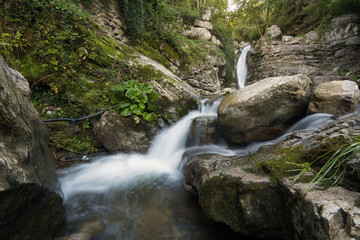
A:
{"x":30,"y":196}
{"x":336,"y":97}
{"x":264,"y":110}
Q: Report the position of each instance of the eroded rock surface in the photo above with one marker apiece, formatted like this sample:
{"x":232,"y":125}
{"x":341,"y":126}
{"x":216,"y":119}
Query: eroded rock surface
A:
{"x":332,"y":56}
{"x":231,"y":190}
{"x":30,"y":202}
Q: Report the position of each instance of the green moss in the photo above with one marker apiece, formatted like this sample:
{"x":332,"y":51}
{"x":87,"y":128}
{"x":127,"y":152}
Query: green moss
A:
{"x":219,"y":199}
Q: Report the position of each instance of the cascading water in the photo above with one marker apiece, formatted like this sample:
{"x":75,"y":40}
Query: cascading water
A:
{"x":241,"y":68}
{"x":137,"y":196}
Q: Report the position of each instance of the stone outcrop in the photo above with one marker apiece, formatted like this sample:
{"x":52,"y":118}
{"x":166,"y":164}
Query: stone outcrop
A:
{"x":174,"y":93}
{"x":200,"y":33}
{"x":328,"y":57}
{"x":264,"y":110}
{"x":232,"y":190}
{"x":108,"y":17}
{"x":30,"y":202}
{"x":117,"y":133}
{"x":336,"y":97}
{"x":205,"y":75}
{"x":176,"y":97}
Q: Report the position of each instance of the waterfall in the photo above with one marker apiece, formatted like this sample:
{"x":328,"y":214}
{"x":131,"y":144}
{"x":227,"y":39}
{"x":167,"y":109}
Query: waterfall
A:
{"x":164,"y":157}
{"x":141,"y":196}
{"x":241,"y":68}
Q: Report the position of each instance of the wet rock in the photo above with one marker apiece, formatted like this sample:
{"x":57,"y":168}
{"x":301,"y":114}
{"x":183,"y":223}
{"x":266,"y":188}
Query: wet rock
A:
{"x":117,"y":133}
{"x":232,"y":191}
{"x":203,"y":131}
{"x":86,"y":231}
{"x":30,"y":195}
{"x":263,"y":110}
{"x":336,"y":97}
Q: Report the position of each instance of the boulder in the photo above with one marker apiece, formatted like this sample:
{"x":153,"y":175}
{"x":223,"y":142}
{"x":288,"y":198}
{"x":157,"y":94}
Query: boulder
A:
{"x":199,"y":33}
{"x":207,"y":15}
{"x":203,"y":24}
{"x":117,"y":133}
{"x":336,"y":97}
{"x":264,"y":110}
{"x":30,"y":195}
{"x":273,"y":33}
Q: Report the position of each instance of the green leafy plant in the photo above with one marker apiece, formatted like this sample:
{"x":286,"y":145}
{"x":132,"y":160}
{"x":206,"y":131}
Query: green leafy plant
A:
{"x":135,"y":98}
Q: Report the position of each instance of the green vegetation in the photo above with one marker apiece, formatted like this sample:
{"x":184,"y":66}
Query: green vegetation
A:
{"x":252,"y":17}
{"x":326,"y":163}
{"x":75,"y":70}
{"x":333,"y":171}
{"x":134,"y":98}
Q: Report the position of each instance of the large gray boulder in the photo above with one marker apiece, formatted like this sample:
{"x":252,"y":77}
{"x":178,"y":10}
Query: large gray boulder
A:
{"x":336,"y":97}
{"x":264,"y":110}
{"x":30,"y":202}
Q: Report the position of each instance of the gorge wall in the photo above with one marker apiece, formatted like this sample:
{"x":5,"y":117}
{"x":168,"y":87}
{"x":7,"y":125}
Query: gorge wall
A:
{"x":333,"y":55}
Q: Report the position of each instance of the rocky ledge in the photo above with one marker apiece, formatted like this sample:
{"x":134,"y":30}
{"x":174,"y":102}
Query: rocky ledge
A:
{"x":256,"y":195}
{"x":327,"y":57}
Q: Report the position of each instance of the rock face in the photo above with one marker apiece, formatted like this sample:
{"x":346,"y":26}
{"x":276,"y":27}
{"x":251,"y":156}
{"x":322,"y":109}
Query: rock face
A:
{"x":230,"y":190}
{"x":109,"y":19}
{"x":336,"y":97}
{"x":174,"y":94}
{"x":329,"y":57}
{"x":263,"y":110}
{"x":117,"y":133}
{"x":30,"y":202}
{"x":204,"y":76}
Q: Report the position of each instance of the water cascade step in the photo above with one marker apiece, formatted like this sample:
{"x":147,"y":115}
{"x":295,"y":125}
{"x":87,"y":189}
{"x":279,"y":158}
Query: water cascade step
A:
{"x":142,"y":196}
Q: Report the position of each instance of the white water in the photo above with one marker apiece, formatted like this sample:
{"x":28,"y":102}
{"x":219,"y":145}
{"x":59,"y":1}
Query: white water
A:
{"x":241,"y":68}
{"x":141,"y":196}
{"x":163,"y":159}
{"x":120,"y":170}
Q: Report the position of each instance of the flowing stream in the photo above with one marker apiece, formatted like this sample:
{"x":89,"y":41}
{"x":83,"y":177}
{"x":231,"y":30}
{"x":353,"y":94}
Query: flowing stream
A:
{"x":137,"y":196}
{"x":241,"y":68}
{"x":141,"y":196}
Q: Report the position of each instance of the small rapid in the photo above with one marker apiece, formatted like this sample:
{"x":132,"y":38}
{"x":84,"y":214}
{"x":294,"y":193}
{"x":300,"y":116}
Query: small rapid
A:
{"x":139,"y":196}
{"x":142,"y":196}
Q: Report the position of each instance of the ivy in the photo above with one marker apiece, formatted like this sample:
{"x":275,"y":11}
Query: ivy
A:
{"x":135,"y":98}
